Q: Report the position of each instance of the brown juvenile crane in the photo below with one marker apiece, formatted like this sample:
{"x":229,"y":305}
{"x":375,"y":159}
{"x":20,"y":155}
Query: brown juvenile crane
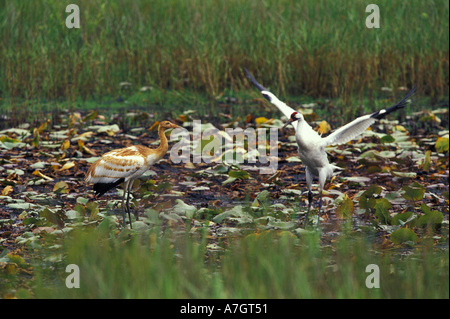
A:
{"x":124,"y":165}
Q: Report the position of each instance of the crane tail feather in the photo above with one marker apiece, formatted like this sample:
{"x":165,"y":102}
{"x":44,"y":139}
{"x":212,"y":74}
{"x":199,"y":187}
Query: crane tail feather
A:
{"x":102,"y":188}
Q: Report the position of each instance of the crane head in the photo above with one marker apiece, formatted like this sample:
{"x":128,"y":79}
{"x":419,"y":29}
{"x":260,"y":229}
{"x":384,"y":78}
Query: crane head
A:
{"x":167,"y":125}
{"x":295,"y":116}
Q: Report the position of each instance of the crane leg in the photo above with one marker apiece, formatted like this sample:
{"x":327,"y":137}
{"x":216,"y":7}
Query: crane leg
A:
{"x":309,"y":180}
{"x":322,"y":180}
{"x":320,"y":208}
{"x":310,"y":199}
{"x":135,"y":210}
{"x":123,"y":206}
{"x":128,"y":208}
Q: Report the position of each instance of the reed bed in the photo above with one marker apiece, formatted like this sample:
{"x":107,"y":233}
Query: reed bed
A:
{"x":314,"y":48}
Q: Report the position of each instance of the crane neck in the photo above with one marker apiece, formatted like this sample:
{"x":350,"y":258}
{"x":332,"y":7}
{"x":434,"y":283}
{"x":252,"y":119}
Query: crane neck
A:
{"x":164,"y":145}
{"x":299,"y":124}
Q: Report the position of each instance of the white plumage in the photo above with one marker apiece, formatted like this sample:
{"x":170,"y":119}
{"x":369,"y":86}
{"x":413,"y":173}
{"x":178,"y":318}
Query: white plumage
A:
{"x":311,"y":146}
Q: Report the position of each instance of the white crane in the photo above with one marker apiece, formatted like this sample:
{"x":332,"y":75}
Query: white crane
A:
{"x":125,"y":165}
{"x":311,"y":146}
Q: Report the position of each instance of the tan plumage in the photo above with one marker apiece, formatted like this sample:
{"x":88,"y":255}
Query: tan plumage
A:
{"x":125,"y":165}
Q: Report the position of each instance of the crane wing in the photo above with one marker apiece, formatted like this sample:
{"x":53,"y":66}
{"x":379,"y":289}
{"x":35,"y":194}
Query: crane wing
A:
{"x":285,"y":109}
{"x":116,"y":165}
{"x":349,"y":131}
{"x":356,"y":127}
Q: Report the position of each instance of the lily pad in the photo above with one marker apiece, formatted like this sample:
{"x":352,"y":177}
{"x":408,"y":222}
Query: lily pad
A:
{"x":181,"y":208}
{"x":413,"y":192}
{"x":442,"y":144}
{"x":404,"y":235}
{"x":403,"y":218}
{"x":237,"y":213}
{"x":292,"y":192}
{"x":345,"y":208}
{"x":404,"y":174}
{"x":104,"y":128}
{"x":38,"y":165}
{"x":21,"y":205}
{"x":200,"y":188}
{"x":56,"y":218}
{"x":387,"y":139}
{"x":382,"y":207}
{"x":431,"y":218}
{"x":21,"y":133}
{"x":61,"y":187}
{"x":277,"y":224}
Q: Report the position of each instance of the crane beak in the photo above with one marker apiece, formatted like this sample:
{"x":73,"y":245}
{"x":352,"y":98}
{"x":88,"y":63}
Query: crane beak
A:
{"x":174,"y":126}
{"x":287,"y":123}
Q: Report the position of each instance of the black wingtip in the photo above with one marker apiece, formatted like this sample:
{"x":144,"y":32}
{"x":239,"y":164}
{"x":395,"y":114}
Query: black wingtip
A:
{"x":380,"y":114}
{"x":101,"y":188}
{"x":255,"y":83}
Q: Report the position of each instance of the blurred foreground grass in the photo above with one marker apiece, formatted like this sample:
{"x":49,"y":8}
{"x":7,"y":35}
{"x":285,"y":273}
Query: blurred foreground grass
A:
{"x":271,"y":264}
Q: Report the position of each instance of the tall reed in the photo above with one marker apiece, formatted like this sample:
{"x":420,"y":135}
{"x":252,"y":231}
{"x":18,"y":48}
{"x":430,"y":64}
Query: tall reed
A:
{"x":316,"y":48}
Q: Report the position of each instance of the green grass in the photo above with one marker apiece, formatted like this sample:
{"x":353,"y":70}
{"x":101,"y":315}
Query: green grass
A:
{"x":155,"y":265}
{"x":315,"y":48}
